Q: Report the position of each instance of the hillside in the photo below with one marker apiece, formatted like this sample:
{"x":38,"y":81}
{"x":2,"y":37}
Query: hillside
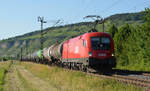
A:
{"x":30,"y":42}
{"x":131,"y":18}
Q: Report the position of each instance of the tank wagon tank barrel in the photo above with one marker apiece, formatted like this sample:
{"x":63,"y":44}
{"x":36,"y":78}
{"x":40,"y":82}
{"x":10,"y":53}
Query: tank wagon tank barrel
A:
{"x":53,"y":52}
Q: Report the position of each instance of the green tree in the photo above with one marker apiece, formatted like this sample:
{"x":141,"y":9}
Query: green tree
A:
{"x":113,"y":30}
{"x":121,"y":38}
{"x":147,"y":16}
{"x":132,"y":44}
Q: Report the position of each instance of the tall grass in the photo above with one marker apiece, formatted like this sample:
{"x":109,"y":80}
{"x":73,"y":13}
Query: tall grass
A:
{"x":67,"y":80}
{"x":4,"y":66}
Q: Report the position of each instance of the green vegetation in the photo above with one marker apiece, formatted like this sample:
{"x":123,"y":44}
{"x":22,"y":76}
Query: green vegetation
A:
{"x":30,"y":42}
{"x":131,"y":18}
{"x":130,"y":32}
{"x":68,"y":80}
{"x":132,"y":45}
{"x":4,"y":66}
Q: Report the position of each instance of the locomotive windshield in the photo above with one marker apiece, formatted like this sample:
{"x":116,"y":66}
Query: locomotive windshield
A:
{"x":100,"y":43}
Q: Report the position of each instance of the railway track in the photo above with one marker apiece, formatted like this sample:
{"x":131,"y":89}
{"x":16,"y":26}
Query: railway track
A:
{"x":138,"y":79}
{"x":126,"y":79}
{"x":132,"y":80}
{"x":146,"y":74}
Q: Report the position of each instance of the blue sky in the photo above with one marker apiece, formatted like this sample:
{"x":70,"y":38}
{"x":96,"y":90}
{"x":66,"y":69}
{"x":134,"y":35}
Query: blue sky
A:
{"x":18,"y":17}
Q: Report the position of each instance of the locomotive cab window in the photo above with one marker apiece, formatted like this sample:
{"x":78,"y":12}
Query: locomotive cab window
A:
{"x":84,"y":43}
{"x":100,"y":43}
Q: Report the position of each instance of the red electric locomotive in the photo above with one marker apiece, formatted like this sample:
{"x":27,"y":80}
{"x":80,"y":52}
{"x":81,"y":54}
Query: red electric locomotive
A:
{"x":90,"y":50}
{"x":95,"y":49}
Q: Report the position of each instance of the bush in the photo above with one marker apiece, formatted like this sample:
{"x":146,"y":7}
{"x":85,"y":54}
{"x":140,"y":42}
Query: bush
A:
{"x":132,"y":45}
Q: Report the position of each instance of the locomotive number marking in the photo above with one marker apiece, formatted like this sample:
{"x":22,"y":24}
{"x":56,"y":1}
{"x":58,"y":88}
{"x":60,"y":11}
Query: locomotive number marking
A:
{"x":102,"y":54}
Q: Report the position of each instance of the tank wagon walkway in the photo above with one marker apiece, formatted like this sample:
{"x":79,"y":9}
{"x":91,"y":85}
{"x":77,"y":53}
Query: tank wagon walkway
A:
{"x":20,"y":79}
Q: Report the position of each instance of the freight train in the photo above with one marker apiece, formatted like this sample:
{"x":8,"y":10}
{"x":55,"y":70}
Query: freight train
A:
{"x":90,"y":50}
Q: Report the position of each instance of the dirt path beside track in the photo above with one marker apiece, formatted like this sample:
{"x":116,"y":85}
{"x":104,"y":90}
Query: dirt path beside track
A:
{"x":13,"y":82}
{"x":20,"y":79}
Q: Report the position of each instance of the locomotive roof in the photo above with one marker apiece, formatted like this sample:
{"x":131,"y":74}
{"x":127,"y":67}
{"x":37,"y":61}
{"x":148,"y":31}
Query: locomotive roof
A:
{"x":90,"y":34}
{"x":95,"y":33}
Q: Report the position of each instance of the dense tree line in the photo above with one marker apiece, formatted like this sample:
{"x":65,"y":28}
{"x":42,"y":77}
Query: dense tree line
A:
{"x":132,"y":43}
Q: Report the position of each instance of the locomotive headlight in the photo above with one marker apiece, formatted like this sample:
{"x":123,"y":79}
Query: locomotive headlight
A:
{"x":113,"y":54}
{"x":90,"y":53}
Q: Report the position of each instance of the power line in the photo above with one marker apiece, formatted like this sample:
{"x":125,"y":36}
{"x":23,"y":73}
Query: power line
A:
{"x":98,"y":20}
{"x":138,"y":5}
{"x":105,"y":10}
{"x":42,"y":21}
{"x":55,"y":22}
{"x":87,"y":6}
{"x":112,"y":5}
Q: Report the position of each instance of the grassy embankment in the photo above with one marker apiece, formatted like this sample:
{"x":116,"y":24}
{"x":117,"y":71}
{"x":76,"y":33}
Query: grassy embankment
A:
{"x":67,"y":80}
{"x":4,"y":66}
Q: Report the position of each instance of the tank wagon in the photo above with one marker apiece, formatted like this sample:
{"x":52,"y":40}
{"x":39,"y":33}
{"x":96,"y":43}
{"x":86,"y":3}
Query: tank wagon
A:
{"x":90,"y":50}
